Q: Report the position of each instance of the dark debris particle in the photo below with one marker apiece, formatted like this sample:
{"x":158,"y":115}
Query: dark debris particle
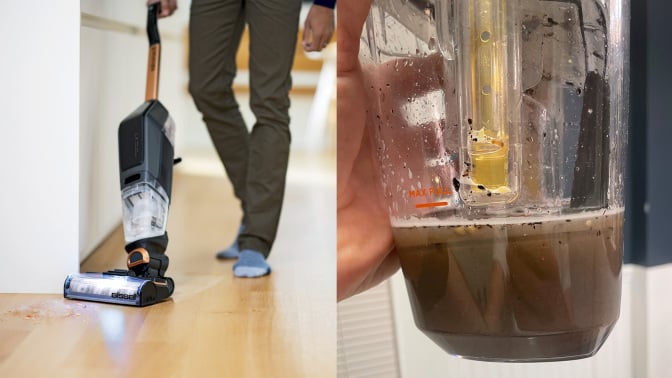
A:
{"x":481,"y":187}
{"x":469,"y":121}
{"x":456,"y":184}
{"x":550,"y":22}
{"x":489,"y":194}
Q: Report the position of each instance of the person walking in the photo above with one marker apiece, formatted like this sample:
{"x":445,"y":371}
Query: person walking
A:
{"x":256,"y":161}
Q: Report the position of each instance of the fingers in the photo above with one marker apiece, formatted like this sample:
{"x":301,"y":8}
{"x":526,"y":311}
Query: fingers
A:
{"x":315,"y":39}
{"x":310,"y":40}
{"x":305,"y":39}
{"x":168,"y":7}
{"x":318,"y":28}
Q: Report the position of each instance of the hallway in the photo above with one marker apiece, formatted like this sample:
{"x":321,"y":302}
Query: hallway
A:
{"x":282,"y":325}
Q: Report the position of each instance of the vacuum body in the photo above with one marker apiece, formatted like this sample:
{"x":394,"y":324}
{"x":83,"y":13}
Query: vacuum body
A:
{"x":146,"y":159}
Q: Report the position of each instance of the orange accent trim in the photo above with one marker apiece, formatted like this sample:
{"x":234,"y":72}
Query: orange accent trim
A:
{"x":153,"y":66}
{"x":145,"y":258}
{"x":431,"y":204}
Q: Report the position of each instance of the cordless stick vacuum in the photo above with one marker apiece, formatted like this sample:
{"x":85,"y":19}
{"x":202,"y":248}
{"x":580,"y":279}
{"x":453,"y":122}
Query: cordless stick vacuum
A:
{"x":146,"y":139}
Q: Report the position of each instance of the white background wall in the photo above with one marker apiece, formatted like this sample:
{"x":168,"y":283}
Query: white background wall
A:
{"x":39,"y":151}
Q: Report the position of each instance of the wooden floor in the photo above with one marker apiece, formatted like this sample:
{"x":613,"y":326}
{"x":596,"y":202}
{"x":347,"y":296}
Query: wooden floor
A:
{"x":216,"y":325}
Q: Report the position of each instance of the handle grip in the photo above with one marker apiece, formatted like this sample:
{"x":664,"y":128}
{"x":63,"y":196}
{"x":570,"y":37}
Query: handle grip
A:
{"x":154,"y":59}
{"x":152,"y":26}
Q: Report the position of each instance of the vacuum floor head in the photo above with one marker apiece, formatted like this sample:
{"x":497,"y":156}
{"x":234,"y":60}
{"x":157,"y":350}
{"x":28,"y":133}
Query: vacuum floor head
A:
{"x":115,"y":287}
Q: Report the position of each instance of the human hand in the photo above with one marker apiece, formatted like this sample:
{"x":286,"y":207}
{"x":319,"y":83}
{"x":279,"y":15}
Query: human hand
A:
{"x":318,"y":28}
{"x":365,"y":254}
{"x":168,"y":7}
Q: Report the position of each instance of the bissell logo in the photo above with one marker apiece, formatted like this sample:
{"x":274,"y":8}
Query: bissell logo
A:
{"x":124,"y":296}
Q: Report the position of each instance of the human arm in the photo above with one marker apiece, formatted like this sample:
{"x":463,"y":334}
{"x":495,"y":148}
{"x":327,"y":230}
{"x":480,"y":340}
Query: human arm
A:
{"x":319,"y":25}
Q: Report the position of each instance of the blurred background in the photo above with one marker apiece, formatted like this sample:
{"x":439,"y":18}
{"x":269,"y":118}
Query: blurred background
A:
{"x":70,"y":73}
{"x":377,"y":336}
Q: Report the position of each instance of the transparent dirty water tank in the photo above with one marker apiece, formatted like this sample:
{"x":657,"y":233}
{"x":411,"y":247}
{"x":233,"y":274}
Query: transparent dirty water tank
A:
{"x":145,"y":203}
{"x":500,"y":130}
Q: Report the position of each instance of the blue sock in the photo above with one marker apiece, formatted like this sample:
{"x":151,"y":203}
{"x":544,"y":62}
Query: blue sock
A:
{"x":231,"y":252}
{"x":251,"y":264}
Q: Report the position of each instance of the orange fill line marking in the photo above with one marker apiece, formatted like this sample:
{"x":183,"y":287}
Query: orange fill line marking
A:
{"x":431,"y":204}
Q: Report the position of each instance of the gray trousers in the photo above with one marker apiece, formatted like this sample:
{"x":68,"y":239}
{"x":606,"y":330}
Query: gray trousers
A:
{"x":255,"y":162}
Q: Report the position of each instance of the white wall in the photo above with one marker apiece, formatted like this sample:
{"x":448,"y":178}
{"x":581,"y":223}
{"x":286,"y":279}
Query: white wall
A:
{"x":659,"y":321}
{"x":39,"y":151}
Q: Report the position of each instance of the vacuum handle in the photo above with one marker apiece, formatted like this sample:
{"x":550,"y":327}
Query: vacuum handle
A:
{"x":154,"y":59}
